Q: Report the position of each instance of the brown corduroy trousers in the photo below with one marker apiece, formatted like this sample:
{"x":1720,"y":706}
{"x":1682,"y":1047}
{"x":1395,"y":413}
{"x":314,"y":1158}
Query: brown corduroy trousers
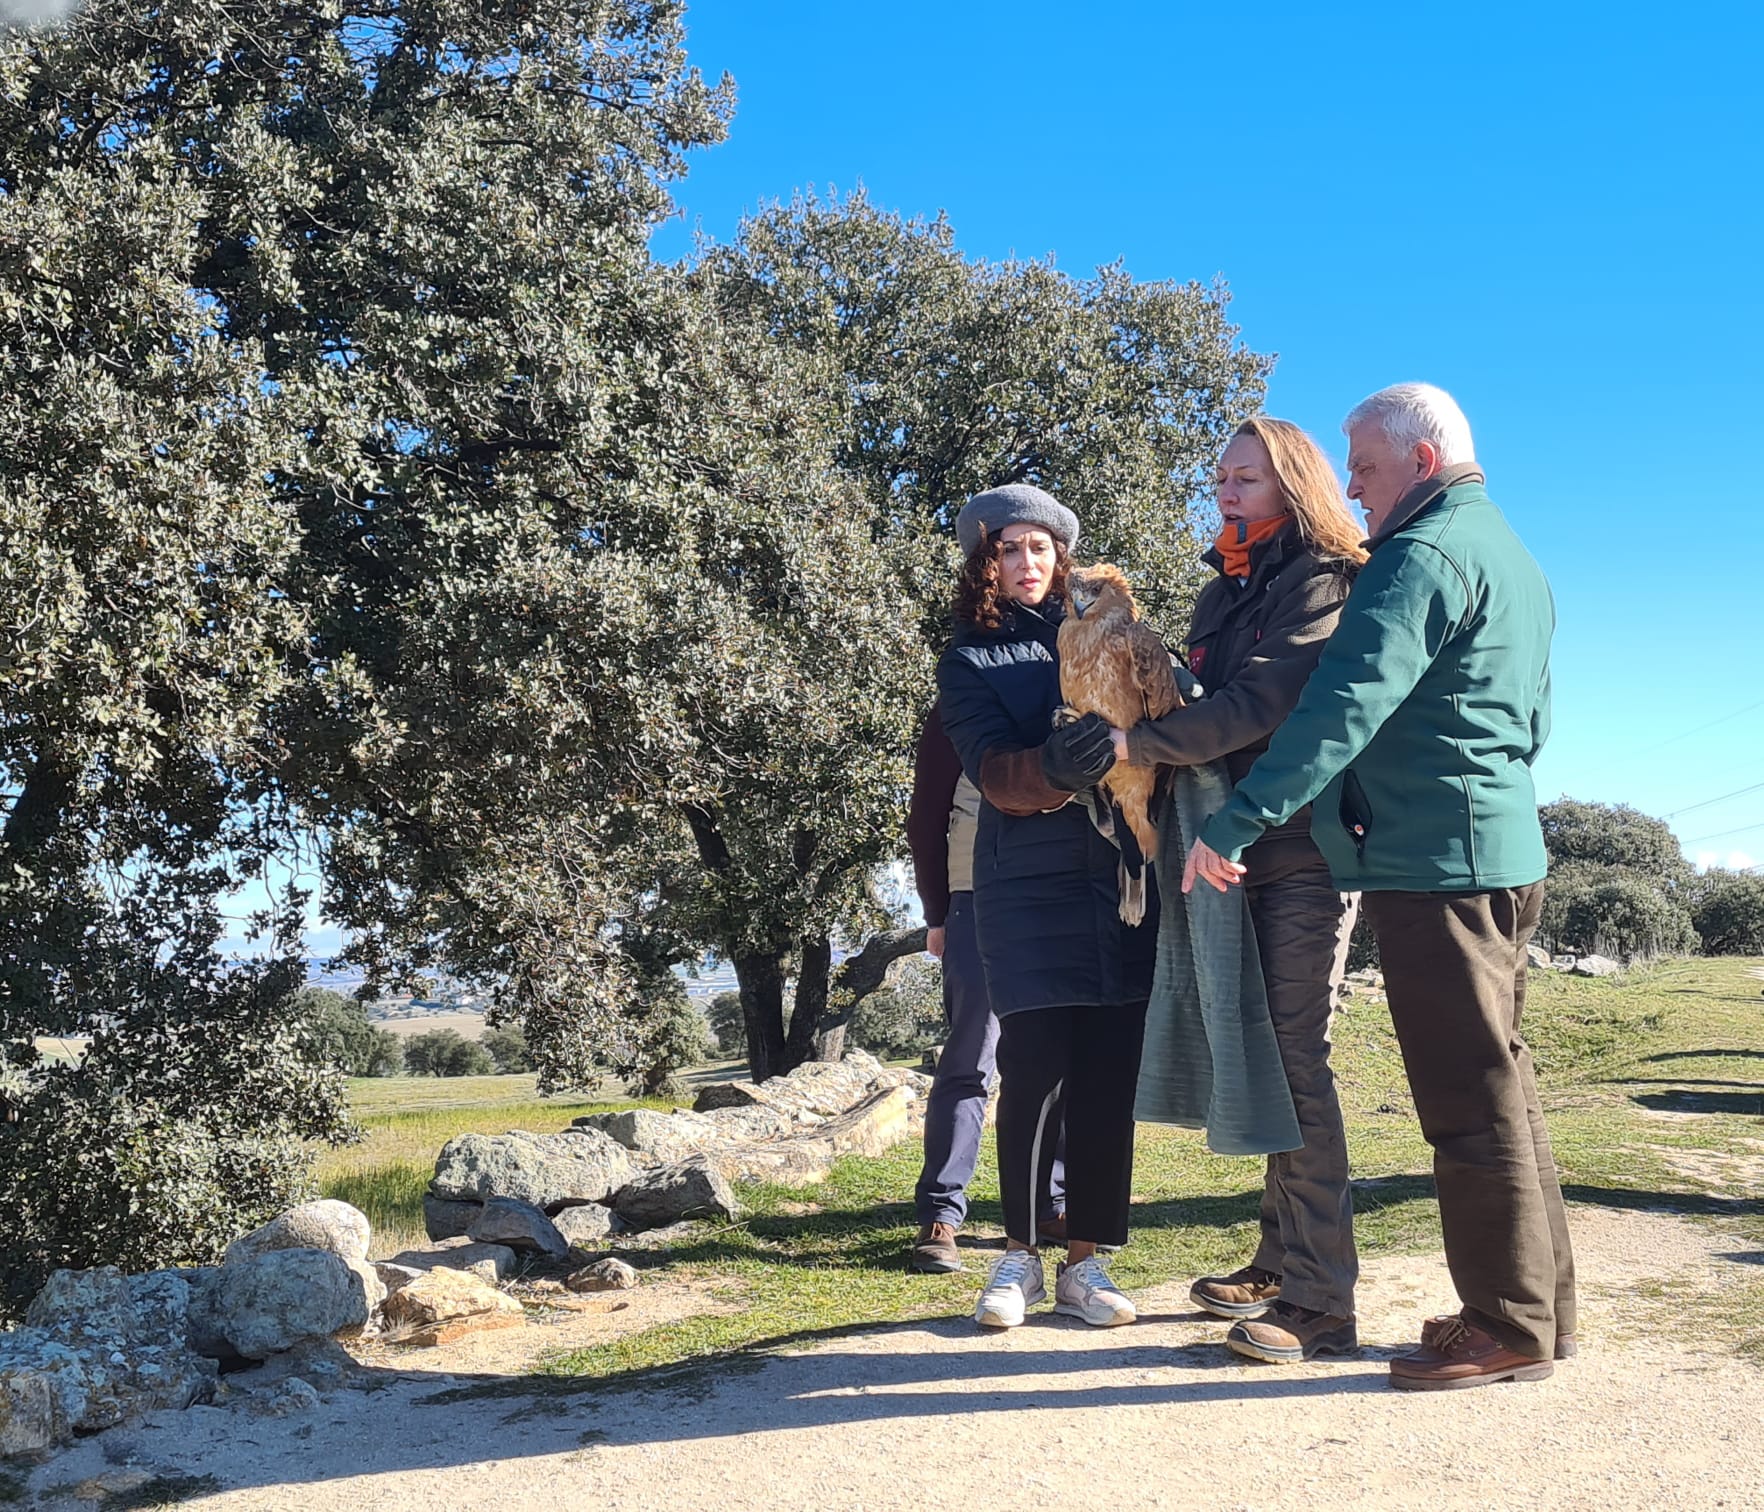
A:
{"x":1454,"y":971}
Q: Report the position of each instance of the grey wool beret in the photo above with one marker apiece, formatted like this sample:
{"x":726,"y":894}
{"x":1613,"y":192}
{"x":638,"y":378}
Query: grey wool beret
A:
{"x":1014,"y":504}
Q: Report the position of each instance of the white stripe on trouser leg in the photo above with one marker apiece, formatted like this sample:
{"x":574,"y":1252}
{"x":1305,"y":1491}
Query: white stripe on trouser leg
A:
{"x":1035,"y":1164}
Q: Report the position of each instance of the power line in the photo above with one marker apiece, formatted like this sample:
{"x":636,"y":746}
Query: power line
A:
{"x":1711,"y":802}
{"x":1744,"y":829}
{"x":1686,"y":734}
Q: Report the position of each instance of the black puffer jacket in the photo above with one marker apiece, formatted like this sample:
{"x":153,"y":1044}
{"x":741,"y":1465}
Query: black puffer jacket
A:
{"x":1046,"y":900}
{"x":1252,"y":645}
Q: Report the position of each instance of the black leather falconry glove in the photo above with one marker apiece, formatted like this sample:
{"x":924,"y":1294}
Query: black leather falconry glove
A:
{"x":1077,"y":755}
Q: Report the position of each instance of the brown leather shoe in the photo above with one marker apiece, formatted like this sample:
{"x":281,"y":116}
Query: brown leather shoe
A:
{"x":1245,"y":1293}
{"x":934,"y":1252}
{"x":1567,"y":1346}
{"x":1287,"y":1333}
{"x":1455,"y":1354}
{"x":1051,"y":1230}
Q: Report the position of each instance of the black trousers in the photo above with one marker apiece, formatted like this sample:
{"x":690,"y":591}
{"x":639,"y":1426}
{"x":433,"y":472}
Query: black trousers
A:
{"x":1089,"y":1059}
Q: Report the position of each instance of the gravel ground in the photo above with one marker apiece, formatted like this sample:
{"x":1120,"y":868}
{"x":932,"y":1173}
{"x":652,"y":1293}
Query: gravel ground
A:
{"x":1652,"y":1415}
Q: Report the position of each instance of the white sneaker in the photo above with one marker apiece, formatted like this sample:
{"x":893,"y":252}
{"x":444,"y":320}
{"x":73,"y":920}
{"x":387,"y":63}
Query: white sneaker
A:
{"x":1085,"y":1291}
{"x":1013,"y":1286}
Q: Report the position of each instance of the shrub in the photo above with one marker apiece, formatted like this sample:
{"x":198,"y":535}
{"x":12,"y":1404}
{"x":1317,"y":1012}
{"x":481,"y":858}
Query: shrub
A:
{"x":506,"y":1045}
{"x":348,"y":1040}
{"x":1625,"y":917}
{"x":446,"y":1052}
{"x":904,"y":1017}
{"x":727,"y":1023}
{"x":1728,"y":912}
{"x":669,"y":1034}
{"x":1612,"y":835}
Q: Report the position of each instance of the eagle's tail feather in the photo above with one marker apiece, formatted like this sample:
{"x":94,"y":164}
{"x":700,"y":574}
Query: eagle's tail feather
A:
{"x":1130,"y":872}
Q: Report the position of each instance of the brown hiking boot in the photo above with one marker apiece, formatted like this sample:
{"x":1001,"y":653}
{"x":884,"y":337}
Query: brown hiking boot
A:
{"x":934,"y":1252}
{"x":1455,"y":1354}
{"x":1245,"y":1293}
{"x":1567,"y":1346}
{"x":1287,"y":1333}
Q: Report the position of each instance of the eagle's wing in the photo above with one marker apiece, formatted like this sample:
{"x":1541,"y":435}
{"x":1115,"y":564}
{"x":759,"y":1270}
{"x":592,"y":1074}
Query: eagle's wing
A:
{"x":1152,"y":675}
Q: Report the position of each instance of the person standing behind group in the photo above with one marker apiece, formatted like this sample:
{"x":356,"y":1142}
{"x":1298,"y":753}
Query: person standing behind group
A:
{"x":1416,"y":737}
{"x":1068,"y":980}
{"x":942,"y":821}
{"x":1285,"y":559}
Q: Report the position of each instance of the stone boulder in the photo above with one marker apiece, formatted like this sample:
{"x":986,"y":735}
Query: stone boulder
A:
{"x":816,"y":1090}
{"x":448,"y":1296}
{"x":584,"y":1227}
{"x":395,"y":1277}
{"x":656,"y":1137}
{"x":267,"y":1303}
{"x":520,"y":1226}
{"x":489,"y":1262}
{"x":692,"y":1188}
{"x":603,"y":1275}
{"x":443,"y":1219}
{"x":1595,"y":966}
{"x":874,"y":1126}
{"x":98,"y":1347}
{"x":326,"y":1225}
{"x":1538,"y":958}
{"x":551,"y":1171}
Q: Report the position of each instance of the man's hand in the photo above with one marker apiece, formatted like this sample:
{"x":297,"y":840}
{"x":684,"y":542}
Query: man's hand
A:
{"x":1206,"y":863}
{"x":934,"y":941}
{"x":1077,"y":755}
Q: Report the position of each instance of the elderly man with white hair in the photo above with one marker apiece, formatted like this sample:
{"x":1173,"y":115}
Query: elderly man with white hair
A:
{"x":1416,"y":736}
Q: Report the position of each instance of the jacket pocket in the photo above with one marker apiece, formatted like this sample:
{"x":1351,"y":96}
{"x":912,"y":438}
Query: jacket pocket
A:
{"x":1355,"y":812}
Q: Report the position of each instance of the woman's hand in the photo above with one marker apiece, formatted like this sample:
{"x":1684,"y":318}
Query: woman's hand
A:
{"x":1076,"y":756}
{"x":934,"y":938}
{"x":1208,"y":864}
{"x":1120,"y":739}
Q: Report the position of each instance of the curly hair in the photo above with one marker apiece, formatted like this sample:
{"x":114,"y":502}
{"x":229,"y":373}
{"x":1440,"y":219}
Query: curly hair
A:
{"x":976,"y":591}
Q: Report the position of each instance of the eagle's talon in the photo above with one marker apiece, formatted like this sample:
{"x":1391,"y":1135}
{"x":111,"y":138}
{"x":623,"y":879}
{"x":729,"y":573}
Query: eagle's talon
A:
{"x":1064,"y":715}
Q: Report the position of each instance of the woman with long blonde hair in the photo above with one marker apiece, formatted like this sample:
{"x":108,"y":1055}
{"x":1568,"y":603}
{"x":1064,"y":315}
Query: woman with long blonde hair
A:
{"x":1285,"y":559}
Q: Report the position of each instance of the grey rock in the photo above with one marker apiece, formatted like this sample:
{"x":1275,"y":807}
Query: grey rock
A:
{"x":394,"y":1276}
{"x":446,"y":1219}
{"x":491,"y":1262}
{"x":270,"y":1302}
{"x":324,"y":1225}
{"x":98,"y":1348}
{"x":519,"y":1225}
{"x":603,"y":1275}
{"x":687,"y":1189}
{"x":585,"y":1226}
{"x":548,"y":1170}
{"x":1595,"y":966}
{"x":1538,"y":957}
{"x":286,"y":1398}
{"x":661,"y":1137}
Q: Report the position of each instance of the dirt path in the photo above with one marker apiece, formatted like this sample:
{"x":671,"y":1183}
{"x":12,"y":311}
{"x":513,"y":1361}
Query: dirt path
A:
{"x":1654,"y":1414}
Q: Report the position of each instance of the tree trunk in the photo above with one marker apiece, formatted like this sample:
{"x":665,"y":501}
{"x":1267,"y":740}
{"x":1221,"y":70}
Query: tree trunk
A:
{"x":811,"y":1002}
{"x":38,"y":811}
{"x":761,"y":978}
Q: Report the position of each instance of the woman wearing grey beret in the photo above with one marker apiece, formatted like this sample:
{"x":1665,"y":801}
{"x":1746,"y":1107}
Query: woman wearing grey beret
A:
{"x":1068,"y":980}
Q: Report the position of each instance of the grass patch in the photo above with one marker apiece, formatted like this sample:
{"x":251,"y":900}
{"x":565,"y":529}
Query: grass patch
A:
{"x":1610,"y":1054}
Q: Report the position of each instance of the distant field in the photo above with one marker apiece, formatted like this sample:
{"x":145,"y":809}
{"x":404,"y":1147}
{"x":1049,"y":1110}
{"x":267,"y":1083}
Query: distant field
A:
{"x":471,"y":1025}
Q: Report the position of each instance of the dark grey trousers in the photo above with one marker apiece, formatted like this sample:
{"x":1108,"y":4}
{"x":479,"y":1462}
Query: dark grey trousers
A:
{"x":1302,"y":928}
{"x":1454,"y":967}
{"x":955,"y":1110}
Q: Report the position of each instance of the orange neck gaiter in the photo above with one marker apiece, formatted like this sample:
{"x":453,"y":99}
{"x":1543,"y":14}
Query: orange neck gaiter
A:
{"x":1239,"y":538}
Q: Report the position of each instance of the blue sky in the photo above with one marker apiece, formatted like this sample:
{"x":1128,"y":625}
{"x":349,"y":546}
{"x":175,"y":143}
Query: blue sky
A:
{"x":1555,"y":211}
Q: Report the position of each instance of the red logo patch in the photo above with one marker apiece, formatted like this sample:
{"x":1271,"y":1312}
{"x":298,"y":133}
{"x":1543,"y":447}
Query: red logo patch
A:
{"x":1196,"y":656}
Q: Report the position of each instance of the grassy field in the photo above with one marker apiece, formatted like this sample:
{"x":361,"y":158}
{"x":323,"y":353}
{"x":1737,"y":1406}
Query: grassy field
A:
{"x":1654,"y":1082}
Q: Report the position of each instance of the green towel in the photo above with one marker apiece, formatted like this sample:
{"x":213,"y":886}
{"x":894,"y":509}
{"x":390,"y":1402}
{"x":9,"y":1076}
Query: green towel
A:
{"x":1211,"y":1060}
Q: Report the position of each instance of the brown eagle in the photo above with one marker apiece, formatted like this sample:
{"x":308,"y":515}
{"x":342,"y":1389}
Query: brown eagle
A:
{"x":1113,"y":664}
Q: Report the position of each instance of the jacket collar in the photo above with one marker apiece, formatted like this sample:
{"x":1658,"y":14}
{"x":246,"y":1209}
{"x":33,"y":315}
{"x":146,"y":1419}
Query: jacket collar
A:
{"x":1422,"y":495}
{"x":1264,"y":555}
{"x":1018,"y":622}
